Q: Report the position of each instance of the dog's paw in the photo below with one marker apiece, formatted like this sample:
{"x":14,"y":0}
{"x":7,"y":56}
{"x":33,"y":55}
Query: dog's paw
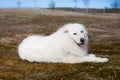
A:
{"x":102,"y":60}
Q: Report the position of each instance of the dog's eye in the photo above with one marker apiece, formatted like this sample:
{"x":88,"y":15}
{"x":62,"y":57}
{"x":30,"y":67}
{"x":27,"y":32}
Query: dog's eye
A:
{"x":81,"y":31}
{"x":74,"y":33}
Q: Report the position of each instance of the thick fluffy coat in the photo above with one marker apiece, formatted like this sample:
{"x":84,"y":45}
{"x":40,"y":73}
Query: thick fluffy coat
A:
{"x":68,"y":45}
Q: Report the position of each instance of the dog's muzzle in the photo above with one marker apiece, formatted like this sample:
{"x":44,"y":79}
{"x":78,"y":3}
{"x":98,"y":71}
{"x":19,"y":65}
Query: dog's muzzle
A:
{"x":82,"y":40}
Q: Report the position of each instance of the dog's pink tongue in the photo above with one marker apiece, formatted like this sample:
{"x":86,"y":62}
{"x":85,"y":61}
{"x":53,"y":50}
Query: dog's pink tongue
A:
{"x":81,"y":44}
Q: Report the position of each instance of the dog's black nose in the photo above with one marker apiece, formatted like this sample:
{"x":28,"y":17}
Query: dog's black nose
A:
{"x":82,"y":40}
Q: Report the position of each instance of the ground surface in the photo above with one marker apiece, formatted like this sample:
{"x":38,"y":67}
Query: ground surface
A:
{"x":104,"y":41}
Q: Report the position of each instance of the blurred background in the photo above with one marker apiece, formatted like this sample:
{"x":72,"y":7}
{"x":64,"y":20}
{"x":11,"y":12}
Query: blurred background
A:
{"x":74,"y":5}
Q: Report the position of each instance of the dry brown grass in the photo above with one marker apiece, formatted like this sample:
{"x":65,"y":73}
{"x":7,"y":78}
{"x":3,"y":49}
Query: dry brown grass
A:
{"x":16,"y":24}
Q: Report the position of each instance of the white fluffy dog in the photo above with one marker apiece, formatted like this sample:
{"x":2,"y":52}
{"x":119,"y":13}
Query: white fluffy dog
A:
{"x":68,"y":45}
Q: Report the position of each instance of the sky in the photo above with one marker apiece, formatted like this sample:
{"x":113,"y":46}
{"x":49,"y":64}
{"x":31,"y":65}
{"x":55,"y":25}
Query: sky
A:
{"x":58,"y":3}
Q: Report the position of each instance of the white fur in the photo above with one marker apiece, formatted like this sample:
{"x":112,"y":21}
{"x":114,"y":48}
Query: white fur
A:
{"x":60,"y":46}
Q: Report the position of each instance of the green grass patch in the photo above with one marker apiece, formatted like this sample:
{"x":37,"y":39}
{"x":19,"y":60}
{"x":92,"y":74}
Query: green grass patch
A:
{"x":7,"y":47}
{"x":59,"y":71}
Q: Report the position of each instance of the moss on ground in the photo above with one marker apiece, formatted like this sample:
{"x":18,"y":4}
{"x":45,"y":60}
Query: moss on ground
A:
{"x":83,"y":71}
{"x":7,"y":46}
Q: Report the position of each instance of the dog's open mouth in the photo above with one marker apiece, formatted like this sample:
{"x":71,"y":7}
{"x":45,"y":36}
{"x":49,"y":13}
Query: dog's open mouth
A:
{"x":80,"y":44}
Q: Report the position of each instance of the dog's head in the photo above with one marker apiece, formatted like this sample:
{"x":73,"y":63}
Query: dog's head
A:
{"x":78,"y":33}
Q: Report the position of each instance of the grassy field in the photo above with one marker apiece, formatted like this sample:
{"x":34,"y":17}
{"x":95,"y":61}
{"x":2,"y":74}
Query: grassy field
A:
{"x":104,"y":41}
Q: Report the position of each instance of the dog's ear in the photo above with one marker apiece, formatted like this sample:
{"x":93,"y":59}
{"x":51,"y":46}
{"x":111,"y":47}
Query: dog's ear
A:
{"x":66,"y":31}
